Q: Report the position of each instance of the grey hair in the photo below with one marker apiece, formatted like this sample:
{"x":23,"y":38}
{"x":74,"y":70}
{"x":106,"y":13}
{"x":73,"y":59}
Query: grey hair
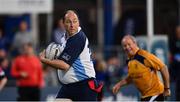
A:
{"x":131,"y":37}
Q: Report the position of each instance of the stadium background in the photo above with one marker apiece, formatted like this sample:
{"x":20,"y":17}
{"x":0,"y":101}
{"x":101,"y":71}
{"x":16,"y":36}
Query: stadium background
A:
{"x":104,"y":22}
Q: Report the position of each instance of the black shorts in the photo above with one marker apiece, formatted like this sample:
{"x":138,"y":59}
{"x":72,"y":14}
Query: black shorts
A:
{"x":154,"y":98}
{"x":80,"y":91}
{"x":29,"y":94}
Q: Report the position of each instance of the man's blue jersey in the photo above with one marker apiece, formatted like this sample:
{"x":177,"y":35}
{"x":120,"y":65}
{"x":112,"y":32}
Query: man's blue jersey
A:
{"x":77,"y":54}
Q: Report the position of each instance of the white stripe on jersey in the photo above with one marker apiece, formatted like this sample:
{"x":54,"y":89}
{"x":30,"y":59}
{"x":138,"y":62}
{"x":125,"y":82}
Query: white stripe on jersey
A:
{"x":153,"y":98}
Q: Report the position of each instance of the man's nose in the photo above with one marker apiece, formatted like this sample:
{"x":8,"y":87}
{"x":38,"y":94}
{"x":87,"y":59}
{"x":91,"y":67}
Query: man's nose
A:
{"x":71,"y":24}
{"x":127,"y":47}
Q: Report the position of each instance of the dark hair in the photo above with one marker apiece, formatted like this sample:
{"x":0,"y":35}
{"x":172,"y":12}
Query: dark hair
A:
{"x":1,"y":60}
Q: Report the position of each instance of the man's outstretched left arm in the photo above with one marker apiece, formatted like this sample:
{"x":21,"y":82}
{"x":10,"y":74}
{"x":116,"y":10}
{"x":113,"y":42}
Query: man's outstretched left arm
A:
{"x":165,"y":75}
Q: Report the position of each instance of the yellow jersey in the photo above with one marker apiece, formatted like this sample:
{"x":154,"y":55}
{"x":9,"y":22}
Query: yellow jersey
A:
{"x":142,"y":69}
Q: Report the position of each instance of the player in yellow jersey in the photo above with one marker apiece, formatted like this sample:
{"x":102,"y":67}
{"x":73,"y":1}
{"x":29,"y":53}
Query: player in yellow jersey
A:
{"x":142,"y":72}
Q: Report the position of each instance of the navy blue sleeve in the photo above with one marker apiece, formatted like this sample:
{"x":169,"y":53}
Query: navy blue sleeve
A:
{"x":74,"y":47}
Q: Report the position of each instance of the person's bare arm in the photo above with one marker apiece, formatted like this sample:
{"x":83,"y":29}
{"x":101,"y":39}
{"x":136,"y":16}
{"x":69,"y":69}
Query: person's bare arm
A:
{"x":165,"y":75}
{"x":3,"y":83}
{"x":121,"y":83}
{"x":58,"y":64}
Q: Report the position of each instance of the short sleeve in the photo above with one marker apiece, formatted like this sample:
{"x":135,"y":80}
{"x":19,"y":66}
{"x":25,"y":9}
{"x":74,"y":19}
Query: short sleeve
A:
{"x":154,"y":62}
{"x":73,"y":49}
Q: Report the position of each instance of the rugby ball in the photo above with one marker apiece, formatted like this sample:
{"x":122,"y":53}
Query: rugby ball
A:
{"x":53,"y":50}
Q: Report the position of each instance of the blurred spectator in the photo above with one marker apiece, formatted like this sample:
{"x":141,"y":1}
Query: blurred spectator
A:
{"x":175,"y":60}
{"x":101,"y":75}
{"x":4,"y":43}
{"x":100,"y":68}
{"x":3,"y":53}
{"x":22,"y":37}
{"x":50,"y":76}
{"x":27,"y":69}
{"x":58,"y":35}
{"x":113,"y":72}
{"x":6,"y":68}
{"x":3,"y":79}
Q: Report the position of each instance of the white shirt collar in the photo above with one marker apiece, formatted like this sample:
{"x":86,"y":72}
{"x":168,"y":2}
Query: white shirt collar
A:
{"x":79,"y":28}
